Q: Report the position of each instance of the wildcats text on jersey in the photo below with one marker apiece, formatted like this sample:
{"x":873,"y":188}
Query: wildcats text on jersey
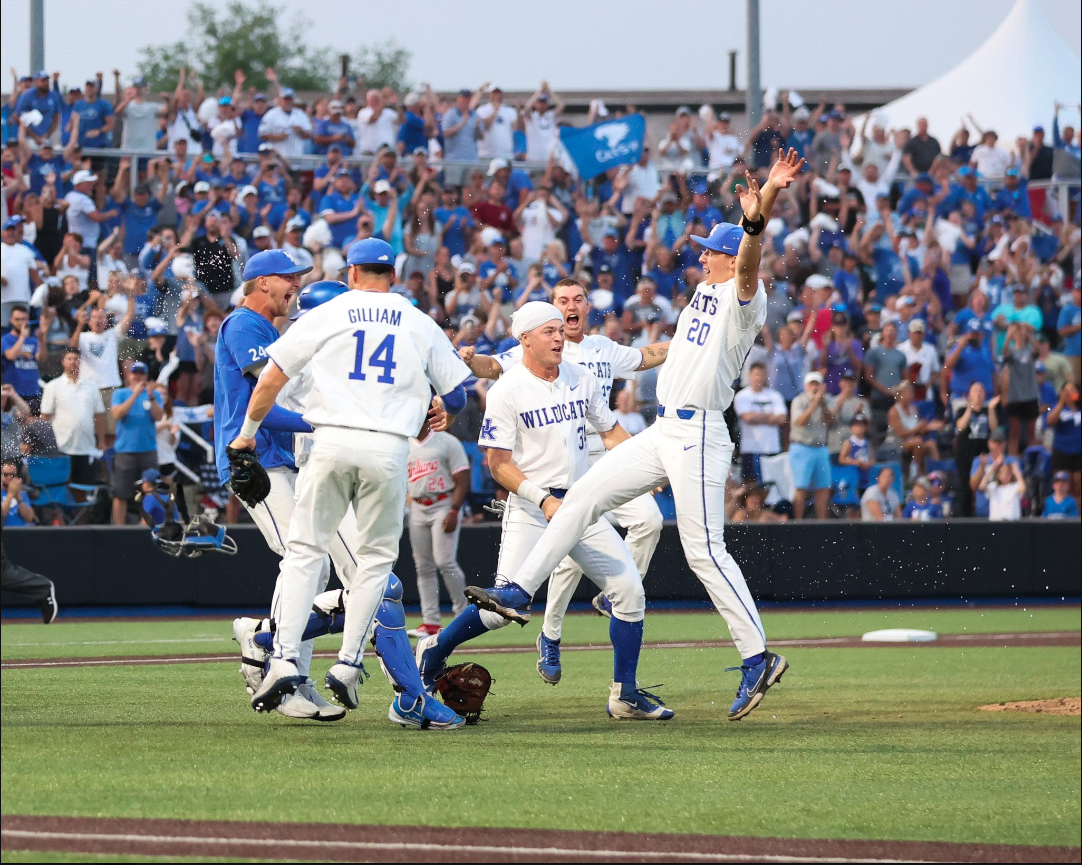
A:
{"x":392,"y":317}
{"x":704,"y":303}
{"x":539,"y":417}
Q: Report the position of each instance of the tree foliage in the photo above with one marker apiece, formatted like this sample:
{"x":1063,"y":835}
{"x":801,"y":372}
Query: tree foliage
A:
{"x":385,"y":65}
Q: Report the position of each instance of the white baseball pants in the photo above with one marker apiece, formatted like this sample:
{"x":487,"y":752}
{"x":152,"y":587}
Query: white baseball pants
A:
{"x":694,"y":457}
{"x":346,"y":467}
{"x":434,"y":548}
{"x":598,"y":550}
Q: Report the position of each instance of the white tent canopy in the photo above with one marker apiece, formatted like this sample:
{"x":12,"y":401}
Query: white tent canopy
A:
{"x":1009,"y":85}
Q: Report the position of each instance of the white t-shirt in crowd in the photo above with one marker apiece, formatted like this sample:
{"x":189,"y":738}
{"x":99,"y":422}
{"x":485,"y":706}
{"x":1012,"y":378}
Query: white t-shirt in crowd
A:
{"x":538,"y":230}
{"x":372,"y":135}
{"x":226,"y":132}
{"x":140,"y":126}
{"x":642,"y":182}
{"x":498,"y":139}
{"x":990,"y":161}
{"x":724,"y":150}
{"x":73,"y":405}
{"x":1004,"y":501}
{"x":79,"y":206}
{"x":540,"y":135}
{"x":759,"y":438}
{"x":277,"y":121}
{"x":100,"y":364}
{"x":926,"y":356}
{"x":185,"y":125}
{"x":16,"y":260}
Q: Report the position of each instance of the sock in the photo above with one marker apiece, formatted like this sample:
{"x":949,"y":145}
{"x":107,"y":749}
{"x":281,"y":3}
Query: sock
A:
{"x":626,"y":640}
{"x":754,"y":660}
{"x":465,"y":626}
{"x":265,"y":641}
{"x":317,"y":626}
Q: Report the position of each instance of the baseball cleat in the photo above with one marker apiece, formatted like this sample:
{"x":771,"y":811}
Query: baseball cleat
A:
{"x":324,"y":711}
{"x":508,"y":601}
{"x":631,"y":703}
{"x":603,"y":606}
{"x":280,"y":679}
{"x":429,"y":662}
{"x":425,"y":713}
{"x":424,"y":630}
{"x":296,"y":706}
{"x":49,"y":609}
{"x":343,"y":680}
{"x":548,"y":659}
{"x":253,"y":658}
{"x":755,"y":682}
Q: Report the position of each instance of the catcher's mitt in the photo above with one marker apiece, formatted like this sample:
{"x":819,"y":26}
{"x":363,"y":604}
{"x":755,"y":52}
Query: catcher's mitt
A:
{"x":248,"y":479}
{"x":464,"y":687}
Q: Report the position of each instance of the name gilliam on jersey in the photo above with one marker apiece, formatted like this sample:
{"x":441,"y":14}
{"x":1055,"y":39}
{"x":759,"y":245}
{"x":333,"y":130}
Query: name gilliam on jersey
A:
{"x":378,"y":316}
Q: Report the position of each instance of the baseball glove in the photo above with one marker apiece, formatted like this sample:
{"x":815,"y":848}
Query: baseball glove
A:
{"x":248,"y":479}
{"x":464,"y":687}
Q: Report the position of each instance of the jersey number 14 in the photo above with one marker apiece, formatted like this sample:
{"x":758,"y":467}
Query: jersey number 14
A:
{"x":381,"y":358}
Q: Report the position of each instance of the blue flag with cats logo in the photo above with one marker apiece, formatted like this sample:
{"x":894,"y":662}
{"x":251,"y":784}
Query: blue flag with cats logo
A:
{"x":595,"y":149}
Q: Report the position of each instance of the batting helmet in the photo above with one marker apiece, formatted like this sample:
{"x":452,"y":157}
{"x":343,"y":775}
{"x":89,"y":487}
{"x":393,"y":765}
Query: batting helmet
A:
{"x":317,"y":293}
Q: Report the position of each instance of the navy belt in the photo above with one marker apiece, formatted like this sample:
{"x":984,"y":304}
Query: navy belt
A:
{"x":682,"y":413}
{"x":557,"y":494}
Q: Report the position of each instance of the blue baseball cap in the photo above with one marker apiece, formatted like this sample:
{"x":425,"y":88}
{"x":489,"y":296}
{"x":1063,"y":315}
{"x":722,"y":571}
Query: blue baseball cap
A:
{"x":724,"y":237}
{"x":317,"y":293}
{"x":260,"y":97}
{"x":840,"y":308}
{"x":1011,"y":172}
{"x":699,"y":188}
{"x":272,"y":262}
{"x":157,"y":328}
{"x":42,"y":76}
{"x":371,"y":250}
{"x":923,"y":177}
{"x":13,"y":222}
{"x":151,"y":476}
{"x":286,"y":93}
{"x":139,"y":367}
{"x":225,"y":100}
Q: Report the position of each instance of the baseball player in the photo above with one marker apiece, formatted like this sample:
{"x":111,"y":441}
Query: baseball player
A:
{"x":689,"y":445}
{"x":607,"y":360}
{"x":411,"y":707}
{"x":439,"y":481}
{"x":535,"y":430}
{"x":372,"y":358}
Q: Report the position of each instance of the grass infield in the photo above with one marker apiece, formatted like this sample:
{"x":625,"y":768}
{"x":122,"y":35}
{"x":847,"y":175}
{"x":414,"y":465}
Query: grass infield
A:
{"x":855,"y":743}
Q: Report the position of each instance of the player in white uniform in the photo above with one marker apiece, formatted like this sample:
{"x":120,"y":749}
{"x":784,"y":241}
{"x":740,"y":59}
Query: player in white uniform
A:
{"x":535,"y":430}
{"x":439,"y":481}
{"x":607,"y":360}
{"x":372,"y":357}
{"x":689,"y":446}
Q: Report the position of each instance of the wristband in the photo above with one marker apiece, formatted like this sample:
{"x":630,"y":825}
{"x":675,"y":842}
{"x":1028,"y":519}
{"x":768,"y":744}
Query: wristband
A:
{"x":249,"y":428}
{"x":753,"y":228}
{"x":531,"y":492}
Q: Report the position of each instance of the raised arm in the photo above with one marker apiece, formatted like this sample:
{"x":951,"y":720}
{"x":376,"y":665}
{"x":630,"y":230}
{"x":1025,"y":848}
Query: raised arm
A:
{"x":757,"y":205}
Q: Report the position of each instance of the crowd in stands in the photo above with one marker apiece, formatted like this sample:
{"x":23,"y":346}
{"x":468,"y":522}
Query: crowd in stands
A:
{"x":920,"y":358}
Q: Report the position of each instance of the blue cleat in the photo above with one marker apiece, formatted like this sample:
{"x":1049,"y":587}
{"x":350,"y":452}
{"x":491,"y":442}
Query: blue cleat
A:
{"x":755,"y":682}
{"x":507,"y":600}
{"x":631,"y":703}
{"x":425,"y":713}
{"x":430,"y":662}
{"x":603,"y":606}
{"x":548,"y":659}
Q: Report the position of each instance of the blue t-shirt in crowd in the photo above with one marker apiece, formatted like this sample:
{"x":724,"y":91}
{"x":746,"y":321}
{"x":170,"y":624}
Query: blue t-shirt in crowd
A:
{"x":135,"y":432}
{"x":974,"y":364}
{"x":13,"y":519}
{"x":242,"y":345}
{"x":1065,"y":510}
{"x":92,"y":117}
{"x":327,"y":126}
{"x":801,"y":141}
{"x":1015,"y":200}
{"x":21,"y":373}
{"x":38,"y":168}
{"x":516,"y":182}
{"x":964,"y":316}
{"x":49,"y":105}
{"x":248,"y":140}
{"x":1067,"y":436}
{"x":277,"y":216}
{"x":620,"y":262}
{"x":272,"y":193}
{"x":913,"y":510}
{"x":453,"y":237}
{"x":412,"y":133}
{"x":137,"y":222}
{"x":338,"y":203}
{"x":154,"y":509}
{"x":709,"y":216}
{"x":1068,"y":316}
{"x":889,"y":277}
{"x":669,"y":283}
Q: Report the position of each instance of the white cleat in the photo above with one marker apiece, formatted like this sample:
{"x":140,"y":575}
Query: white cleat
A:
{"x":297,"y":706}
{"x":253,"y":658}
{"x":324,"y":711}
{"x":282,"y":678}
{"x":343,"y":681}
{"x":635,"y":705}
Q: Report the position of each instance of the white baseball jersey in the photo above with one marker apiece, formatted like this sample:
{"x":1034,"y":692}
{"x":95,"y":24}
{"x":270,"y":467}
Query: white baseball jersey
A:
{"x":543,"y":423}
{"x":714,"y":334}
{"x":371,"y":356}
{"x":606,"y":359}
{"x":432,"y":465}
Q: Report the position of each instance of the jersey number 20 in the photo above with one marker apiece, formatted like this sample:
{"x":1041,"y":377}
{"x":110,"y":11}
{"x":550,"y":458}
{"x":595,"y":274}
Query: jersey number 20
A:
{"x":382,"y":357}
{"x":698,"y":331}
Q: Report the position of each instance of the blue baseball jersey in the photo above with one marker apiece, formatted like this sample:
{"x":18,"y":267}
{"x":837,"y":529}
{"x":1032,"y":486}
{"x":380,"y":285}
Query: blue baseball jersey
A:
{"x":240,"y":354}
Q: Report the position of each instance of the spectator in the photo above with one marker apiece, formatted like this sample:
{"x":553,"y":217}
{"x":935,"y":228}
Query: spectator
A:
{"x":627,"y":415}
{"x":842,"y":353}
{"x":46,"y":101}
{"x":286,"y":127}
{"x":15,"y":508}
{"x":1060,"y":505}
{"x":857,"y":450}
{"x":880,"y":503}
{"x":1004,"y":485}
{"x":140,"y":117}
{"x":1019,"y":364}
{"x":997,"y":452}
{"x":92,"y":118}
{"x":809,"y":459}
{"x":1069,"y":327}
{"x":844,"y":407}
{"x":969,"y":362}
{"x":334,"y":131}
{"x":976,"y":421}
{"x":752,"y":509}
{"x":23,"y":350}
{"x":988,"y":159}
{"x":99,"y":344}
{"x":459,"y":127}
{"x":495,"y":123}
{"x":539,"y":217}
{"x":83,"y":215}
{"x":920,"y":152}
{"x":18,"y":267}
{"x":920,"y":505}
{"x":75,"y":409}
{"x":213,"y":253}
{"x":1065,"y":419}
{"x":136,"y":409}
{"x":762,"y":413}
{"x":416,"y":123}
{"x":378,"y":124}
{"x":884,"y":369}
{"x":455,"y":222}
{"x":1056,"y":365}
{"x":908,"y":433}
{"x":922,"y":359}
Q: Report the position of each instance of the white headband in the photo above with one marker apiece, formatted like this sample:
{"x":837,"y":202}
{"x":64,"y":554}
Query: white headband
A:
{"x":533,"y":314}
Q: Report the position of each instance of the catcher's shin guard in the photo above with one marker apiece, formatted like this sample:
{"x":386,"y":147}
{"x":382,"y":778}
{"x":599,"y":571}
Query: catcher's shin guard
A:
{"x":393,"y":646}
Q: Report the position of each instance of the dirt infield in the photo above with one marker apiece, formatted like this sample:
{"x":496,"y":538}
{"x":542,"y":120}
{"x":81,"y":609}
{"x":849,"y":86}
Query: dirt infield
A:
{"x":1051,"y":638}
{"x":337,"y":843}
{"x":1062,"y":706}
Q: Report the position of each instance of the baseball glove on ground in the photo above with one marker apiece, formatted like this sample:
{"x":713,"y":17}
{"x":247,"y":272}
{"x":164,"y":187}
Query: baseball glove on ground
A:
{"x":464,"y":687}
{"x":248,"y":479}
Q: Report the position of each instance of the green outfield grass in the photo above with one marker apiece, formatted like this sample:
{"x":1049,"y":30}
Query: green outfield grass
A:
{"x":855,"y":743}
{"x":73,"y":638}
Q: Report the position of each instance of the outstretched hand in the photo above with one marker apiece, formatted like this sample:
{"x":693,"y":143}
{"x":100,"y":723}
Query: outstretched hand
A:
{"x":786,"y":169}
{"x":751,"y":199}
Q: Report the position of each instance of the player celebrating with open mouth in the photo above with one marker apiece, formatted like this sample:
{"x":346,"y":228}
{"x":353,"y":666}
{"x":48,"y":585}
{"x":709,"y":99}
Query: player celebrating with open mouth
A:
{"x":689,"y":446}
{"x":535,"y":431}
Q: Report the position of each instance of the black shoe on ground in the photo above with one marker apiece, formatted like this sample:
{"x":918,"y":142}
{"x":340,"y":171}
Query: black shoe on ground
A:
{"x":49,"y":609}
